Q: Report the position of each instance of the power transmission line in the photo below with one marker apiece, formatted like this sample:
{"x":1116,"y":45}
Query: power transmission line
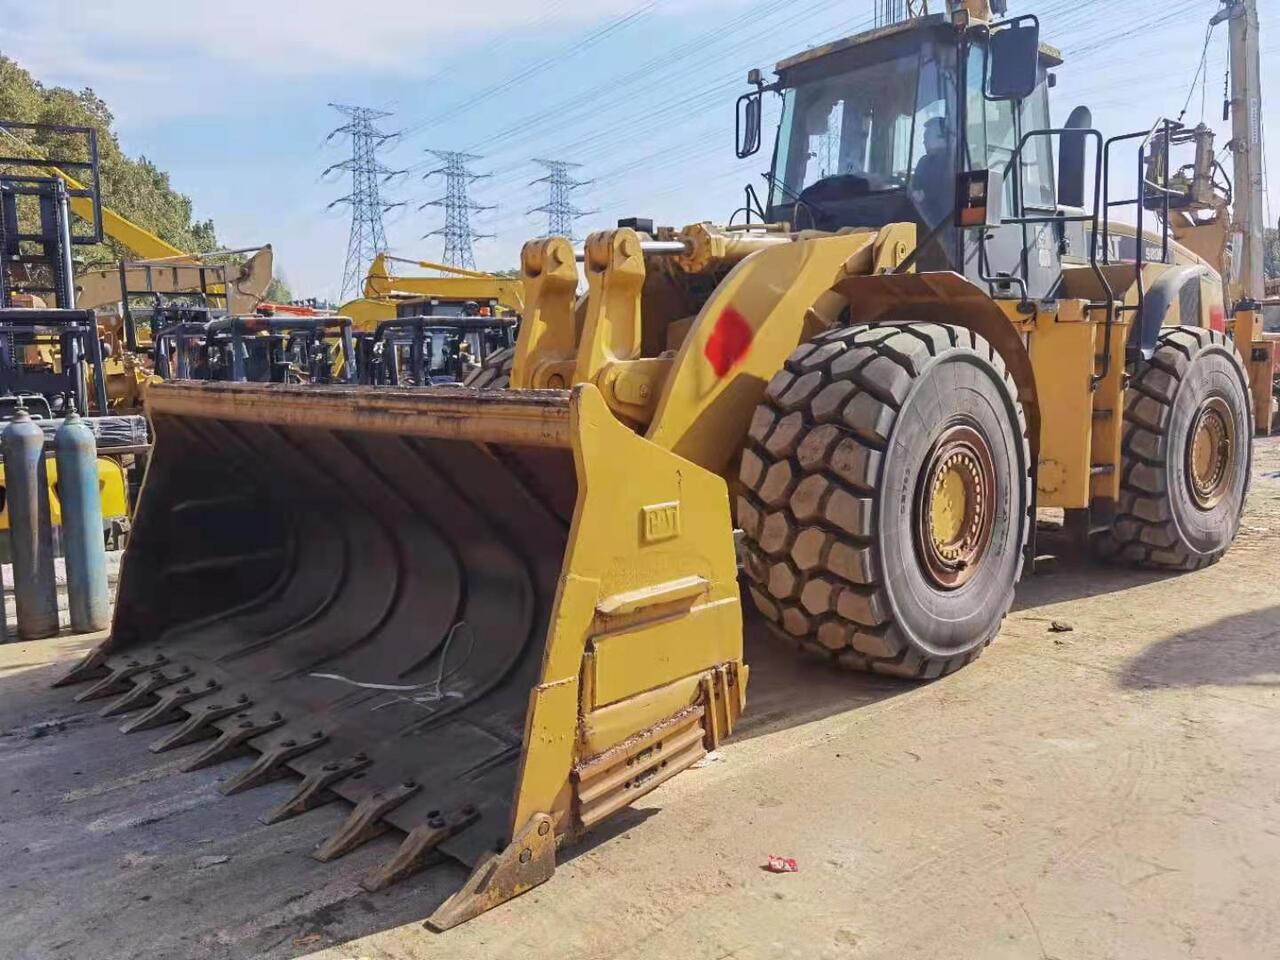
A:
{"x":559,"y":207}
{"x":458,"y":207}
{"x":367,"y":238}
{"x":539,"y":66}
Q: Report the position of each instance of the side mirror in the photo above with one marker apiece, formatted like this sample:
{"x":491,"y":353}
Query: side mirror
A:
{"x":1015,"y":59}
{"x":747,"y":124}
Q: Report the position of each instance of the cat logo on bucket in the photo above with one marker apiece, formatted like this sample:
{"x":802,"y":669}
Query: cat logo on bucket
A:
{"x":661,"y":521}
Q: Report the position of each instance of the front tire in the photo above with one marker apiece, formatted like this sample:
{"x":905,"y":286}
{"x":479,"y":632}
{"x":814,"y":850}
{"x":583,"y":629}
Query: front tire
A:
{"x":885,"y":497}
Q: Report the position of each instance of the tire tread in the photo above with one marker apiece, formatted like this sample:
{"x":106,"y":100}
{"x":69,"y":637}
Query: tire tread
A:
{"x":847,"y":619}
{"x":1145,"y":532}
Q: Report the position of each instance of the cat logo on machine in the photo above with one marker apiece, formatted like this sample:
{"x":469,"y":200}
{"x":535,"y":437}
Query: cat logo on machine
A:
{"x":661,"y":521}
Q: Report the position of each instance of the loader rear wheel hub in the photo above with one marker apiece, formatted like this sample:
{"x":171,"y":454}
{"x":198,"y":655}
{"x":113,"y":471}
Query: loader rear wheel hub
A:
{"x":955,"y":507}
{"x":1210,"y":453}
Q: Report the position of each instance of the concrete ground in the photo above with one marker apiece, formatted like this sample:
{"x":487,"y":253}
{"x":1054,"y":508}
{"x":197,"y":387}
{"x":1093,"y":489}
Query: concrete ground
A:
{"x":1106,"y":792}
{"x":9,"y":610}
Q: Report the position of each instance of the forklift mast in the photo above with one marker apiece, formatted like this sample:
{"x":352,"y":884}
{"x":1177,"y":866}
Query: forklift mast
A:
{"x":48,"y":349}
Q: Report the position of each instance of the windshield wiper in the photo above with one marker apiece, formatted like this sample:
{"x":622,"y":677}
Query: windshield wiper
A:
{"x":774,"y":181}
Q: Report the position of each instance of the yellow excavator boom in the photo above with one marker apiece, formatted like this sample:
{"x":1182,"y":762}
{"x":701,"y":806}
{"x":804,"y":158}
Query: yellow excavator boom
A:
{"x":138,"y":239}
{"x":97,"y":288}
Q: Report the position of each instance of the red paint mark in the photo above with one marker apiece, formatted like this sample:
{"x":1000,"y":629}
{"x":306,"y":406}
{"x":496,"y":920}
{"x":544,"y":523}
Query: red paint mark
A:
{"x":1217,"y":319}
{"x":729,"y":341}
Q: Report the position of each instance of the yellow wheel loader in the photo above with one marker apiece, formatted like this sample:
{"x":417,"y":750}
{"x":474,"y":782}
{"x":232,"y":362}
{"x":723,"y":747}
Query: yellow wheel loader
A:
{"x":527,"y":613}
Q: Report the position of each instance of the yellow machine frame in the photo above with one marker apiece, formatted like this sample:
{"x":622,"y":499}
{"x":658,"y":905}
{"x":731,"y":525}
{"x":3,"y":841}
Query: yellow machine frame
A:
{"x":112,"y":487}
{"x":384,"y":291}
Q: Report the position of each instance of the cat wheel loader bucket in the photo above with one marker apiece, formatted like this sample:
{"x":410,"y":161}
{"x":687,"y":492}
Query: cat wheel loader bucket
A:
{"x":487,"y":620}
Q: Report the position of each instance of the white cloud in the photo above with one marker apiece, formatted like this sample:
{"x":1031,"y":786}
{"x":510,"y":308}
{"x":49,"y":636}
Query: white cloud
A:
{"x":155,"y":60}
{"x":288,"y":37}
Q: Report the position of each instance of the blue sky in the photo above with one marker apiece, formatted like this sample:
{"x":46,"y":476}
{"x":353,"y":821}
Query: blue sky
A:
{"x":231,"y":98}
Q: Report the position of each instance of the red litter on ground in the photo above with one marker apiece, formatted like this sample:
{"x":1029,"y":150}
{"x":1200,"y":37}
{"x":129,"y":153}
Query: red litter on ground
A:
{"x":781,"y":864}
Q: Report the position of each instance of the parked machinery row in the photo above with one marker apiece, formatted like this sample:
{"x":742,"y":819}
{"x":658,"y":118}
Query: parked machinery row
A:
{"x":69,"y":345}
{"x":51,"y":355}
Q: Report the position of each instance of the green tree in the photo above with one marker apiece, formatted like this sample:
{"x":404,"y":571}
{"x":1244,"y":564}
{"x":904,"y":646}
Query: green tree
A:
{"x":278,"y":291}
{"x":134,"y":188}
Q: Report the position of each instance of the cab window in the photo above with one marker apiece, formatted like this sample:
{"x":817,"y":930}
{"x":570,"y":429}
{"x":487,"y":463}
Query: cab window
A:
{"x":1037,"y":158}
{"x":868,"y":122}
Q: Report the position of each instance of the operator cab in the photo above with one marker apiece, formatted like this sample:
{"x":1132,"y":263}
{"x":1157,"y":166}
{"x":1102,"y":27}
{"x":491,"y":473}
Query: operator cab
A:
{"x":875,"y":128}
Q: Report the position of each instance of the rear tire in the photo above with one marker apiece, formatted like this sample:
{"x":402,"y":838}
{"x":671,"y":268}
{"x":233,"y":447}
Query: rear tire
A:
{"x":1186,"y":454}
{"x":885,"y":497}
{"x":494,"y":373}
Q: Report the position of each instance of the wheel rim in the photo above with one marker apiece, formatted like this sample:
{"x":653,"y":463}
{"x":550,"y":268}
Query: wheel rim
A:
{"x":955,"y":507}
{"x":1211,"y":451}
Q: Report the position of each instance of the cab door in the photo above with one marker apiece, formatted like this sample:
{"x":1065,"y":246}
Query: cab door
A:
{"x":992,"y":131}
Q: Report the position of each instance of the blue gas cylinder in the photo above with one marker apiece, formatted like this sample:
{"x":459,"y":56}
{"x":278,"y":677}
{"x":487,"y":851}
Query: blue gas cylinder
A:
{"x":83,"y":543}
{"x":30,"y":528}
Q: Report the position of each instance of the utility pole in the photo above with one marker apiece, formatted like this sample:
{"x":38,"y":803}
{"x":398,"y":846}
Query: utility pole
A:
{"x":367,"y":237}
{"x":1246,"y":144}
{"x":458,"y":207}
{"x":559,"y":207}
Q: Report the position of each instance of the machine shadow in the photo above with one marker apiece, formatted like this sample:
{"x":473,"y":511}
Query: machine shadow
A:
{"x":1241,"y":650}
{"x":789,"y":688}
{"x":1065,"y":572}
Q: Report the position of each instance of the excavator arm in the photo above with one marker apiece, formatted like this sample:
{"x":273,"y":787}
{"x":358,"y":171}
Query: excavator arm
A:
{"x":97,"y":288}
{"x":462,"y":284}
{"x":142,"y":242}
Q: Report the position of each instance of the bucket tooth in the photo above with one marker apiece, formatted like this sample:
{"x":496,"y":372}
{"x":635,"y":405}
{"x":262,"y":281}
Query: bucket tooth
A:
{"x":365,"y":821}
{"x":200,"y":725}
{"x":418,"y":847}
{"x":117,"y":681}
{"x":92,"y":666}
{"x":233,"y":741}
{"x":314,"y":790}
{"x":271,"y":765}
{"x":143,"y":693}
{"x":168,"y":708}
{"x":530,"y":859}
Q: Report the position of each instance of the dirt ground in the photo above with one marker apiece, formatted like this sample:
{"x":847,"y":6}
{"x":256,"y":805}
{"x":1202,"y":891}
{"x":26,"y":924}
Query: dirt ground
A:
{"x":1106,"y":792}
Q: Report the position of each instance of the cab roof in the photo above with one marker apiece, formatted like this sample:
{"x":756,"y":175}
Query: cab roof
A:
{"x":1052,"y":56}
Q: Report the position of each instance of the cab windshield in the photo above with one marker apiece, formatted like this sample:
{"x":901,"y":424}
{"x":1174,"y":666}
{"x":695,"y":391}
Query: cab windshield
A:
{"x":877,"y":127}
